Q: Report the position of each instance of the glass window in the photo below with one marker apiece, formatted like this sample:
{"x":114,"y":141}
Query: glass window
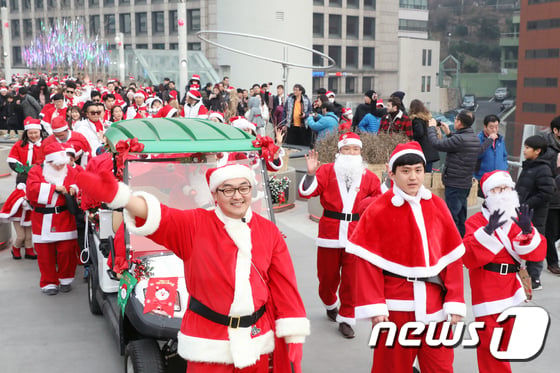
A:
{"x":173,"y":46}
{"x":353,"y":4}
{"x":531,"y":54}
{"x":14,"y":4}
{"x":15,"y":29}
{"x":27,"y":27}
{"x":413,"y":4}
{"x":428,"y":83}
{"x":369,"y":4}
{"x":139,"y":1}
{"x":369,"y":28}
{"x":350,"y":85}
{"x":141,"y":46}
{"x":335,"y":3}
{"x":317,"y":83}
{"x":367,"y":83}
{"x":79,"y":3}
{"x":157,"y":23}
{"x":52,"y":21}
{"x":124,"y":2}
{"x":368,"y":58}
{"x":158,"y":45}
{"x":352,"y":27}
{"x":142,"y":23}
{"x":317,"y":59}
{"x":424,"y":57}
{"x":352,"y":57}
{"x":94,"y":25}
{"x":333,"y":83}
{"x":39,"y":4}
{"x":318,"y":26}
{"x":38,"y":24}
{"x":94,"y":3}
{"x":429,"y":57}
{"x":336,"y":54}
{"x":423,"y":84}
{"x":17,"y":56}
{"x":125,"y":23}
{"x":194,"y":46}
{"x":543,"y":24}
{"x":193,"y":19}
{"x":109,"y":21}
{"x":530,"y":107}
{"x":541,"y":82}
{"x":50,"y":4}
{"x":106,"y":2}
{"x":413,"y":25}
{"x":335,"y":25}
{"x":26,"y":4}
{"x":318,"y":2}
{"x":173,"y":22}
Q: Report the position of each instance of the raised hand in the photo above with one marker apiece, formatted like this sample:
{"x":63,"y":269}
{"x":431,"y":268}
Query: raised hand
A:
{"x":280,"y":132}
{"x":494,"y":222}
{"x":524,"y":218}
{"x":312,"y":162}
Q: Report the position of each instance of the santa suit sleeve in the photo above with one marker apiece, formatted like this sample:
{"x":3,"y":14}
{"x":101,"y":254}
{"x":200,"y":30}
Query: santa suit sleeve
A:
{"x":480,"y":247}
{"x":38,"y":191}
{"x":317,"y":185}
{"x":16,"y":154}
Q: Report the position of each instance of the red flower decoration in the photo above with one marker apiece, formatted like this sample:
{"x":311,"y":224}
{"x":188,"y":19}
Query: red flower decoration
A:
{"x":268,"y":148}
{"x":123,"y":147}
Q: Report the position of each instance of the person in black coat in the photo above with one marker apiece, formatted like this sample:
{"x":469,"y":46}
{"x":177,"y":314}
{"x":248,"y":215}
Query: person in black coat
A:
{"x":535,"y":188}
{"x":368,"y":107}
{"x":420,"y":117}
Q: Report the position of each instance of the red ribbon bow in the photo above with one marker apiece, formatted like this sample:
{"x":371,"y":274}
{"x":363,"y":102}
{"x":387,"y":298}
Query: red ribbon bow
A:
{"x":268,"y":148}
{"x":124,"y":147}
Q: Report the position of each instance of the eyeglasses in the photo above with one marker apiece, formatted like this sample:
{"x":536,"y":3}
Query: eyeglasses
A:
{"x":501,"y":189}
{"x":230,"y":192}
{"x":94,"y":112}
{"x":70,"y":92}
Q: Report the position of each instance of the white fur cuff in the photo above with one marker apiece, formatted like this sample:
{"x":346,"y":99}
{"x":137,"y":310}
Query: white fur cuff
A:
{"x":292,"y":326}
{"x":121,"y":198}
{"x":152,"y":221}
{"x":455,"y":308}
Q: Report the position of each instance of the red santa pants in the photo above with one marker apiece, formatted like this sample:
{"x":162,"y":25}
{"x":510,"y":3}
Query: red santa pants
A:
{"x":399,"y":359}
{"x":335,"y":267}
{"x":261,"y":366}
{"x":57,"y":260}
{"x":486,"y":362}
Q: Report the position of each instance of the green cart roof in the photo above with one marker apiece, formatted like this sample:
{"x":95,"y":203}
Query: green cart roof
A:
{"x":180,"y":135}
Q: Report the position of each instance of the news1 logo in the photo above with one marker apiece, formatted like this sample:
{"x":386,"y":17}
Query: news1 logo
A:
{"x":526,"y":342}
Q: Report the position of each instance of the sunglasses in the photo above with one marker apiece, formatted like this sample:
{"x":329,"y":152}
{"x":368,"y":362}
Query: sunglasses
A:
{"x":70,"y":92}
{"x":94,"y":112}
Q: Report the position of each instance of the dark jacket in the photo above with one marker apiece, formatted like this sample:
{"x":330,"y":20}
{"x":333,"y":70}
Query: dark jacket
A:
{"x":462,"y":148}
{"x":420,"y":134}
{"x":551,"y":155}
{"x":30,"y":107}
{"x":493,"y":156}
{"x":535,"y":187}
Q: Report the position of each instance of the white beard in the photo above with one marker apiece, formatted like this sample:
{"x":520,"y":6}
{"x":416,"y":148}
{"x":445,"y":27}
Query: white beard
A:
{"x":53,"y":176}
{"x":505,"y":201}
{"x":348,"y":168}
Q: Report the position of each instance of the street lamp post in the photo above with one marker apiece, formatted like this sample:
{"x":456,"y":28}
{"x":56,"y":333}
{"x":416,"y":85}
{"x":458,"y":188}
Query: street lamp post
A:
{"x":182,"y":31}
{"x":119,"y":40}
{"x":7,"y":45}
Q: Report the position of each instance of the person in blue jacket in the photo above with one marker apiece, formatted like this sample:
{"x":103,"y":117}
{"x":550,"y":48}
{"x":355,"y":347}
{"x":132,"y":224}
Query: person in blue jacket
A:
{"x":494,"y":154}
{"x":370,"y":123}
{"x":324,"y":123}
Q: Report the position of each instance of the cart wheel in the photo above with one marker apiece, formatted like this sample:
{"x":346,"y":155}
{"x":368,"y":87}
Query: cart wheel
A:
{"x":143,"y":356}
{"x":94,"y":306}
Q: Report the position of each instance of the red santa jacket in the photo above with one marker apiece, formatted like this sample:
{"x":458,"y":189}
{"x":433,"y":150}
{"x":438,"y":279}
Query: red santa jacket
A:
{"x":48,"y":113}
{"x":410,"y":237}
{"x":28,"y":155}
{"x":336,"y":197}
{"x":76,"y":139}
{"x":16,"y":207}
{"x":196,"y":111}
{"x":40,"y":193}
{"x":233,"y":268}
{"x":493,"y":292}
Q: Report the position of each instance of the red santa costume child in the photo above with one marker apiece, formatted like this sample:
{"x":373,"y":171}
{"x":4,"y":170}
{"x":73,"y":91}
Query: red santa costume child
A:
{"x":63,"y":135}
{"x":18,"y":211}
{"x":27,"y":151}
{"x":167,"y":111}
{"x":54,"y":228}
{"x":193,"y":105}
{"x":497,"y":240}
{"x":246,"y":296}
{"x":346,"y":120}
{"x":409,"y":267}
{"x":341,"y":185}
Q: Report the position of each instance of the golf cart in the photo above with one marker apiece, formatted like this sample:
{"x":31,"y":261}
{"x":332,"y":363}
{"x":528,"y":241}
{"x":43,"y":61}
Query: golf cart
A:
{"x":171,"y":165}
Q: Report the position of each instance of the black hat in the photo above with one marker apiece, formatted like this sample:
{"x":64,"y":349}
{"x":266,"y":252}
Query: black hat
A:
{"x":399,"y":94}
{"x":370,"y":93}
{"x":58,"y":96}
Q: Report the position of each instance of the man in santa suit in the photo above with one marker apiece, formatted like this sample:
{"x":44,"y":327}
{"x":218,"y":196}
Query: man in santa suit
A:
{"x":497,"y":240}
{"x":53,"y":227}
{"x":409,"y":266}
{"x":341,"y":185}
{"x":63,"y":135}
{"x":239,"y":273}
{"x":49,"y":112}
{"x":193,"y":106}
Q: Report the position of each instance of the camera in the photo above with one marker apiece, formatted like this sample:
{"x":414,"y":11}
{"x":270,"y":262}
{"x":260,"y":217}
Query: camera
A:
{"x":439,"y":123}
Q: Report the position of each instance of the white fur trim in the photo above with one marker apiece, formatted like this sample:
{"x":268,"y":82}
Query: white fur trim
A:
{"x":397,"y":155}
{"x":349,"y":141}
{"x":60,"y":129}
{"x":193,"y":96}
{"x":347,"y":320}
{"x":307,"y":192}
{"x":171,"y":113}
{"x":152,"y":221}
{"x":219,"y":351}
{"x":492,"y":243}
{"x":455,"y":308}
{"x":33,"y":126}
{"x":66,"y":281}
{"x":397,"y":201}
{"x":400,"y":305}
{"x":294,"y":339}
{"x":44,"y":193}
{"x":292,"y":326}
{"x":497,"y":306}
{"x":121,"y":198}
{"x":526,"y":249}
{"x":49,"y":286}
{"x":371,"y":310}
{"x":329,"y":243}
{"x":332,"y":306}
{"x":57,"y":157}
{"x":497,"y":179}
{"x":232,"y":171}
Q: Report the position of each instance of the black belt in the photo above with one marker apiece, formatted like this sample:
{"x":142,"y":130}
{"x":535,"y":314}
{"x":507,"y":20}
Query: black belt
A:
{"x":436,"y":280}
{"x":502,"y":268}
{"x":233,"y":322}
{"x":50,"y":210}
{"x":341,"y":216}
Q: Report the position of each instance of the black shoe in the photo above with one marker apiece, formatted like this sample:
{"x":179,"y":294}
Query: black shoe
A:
{"x":536,"y":285}
{"x":346,"y":330}
{"x":331,"y":314}
{"x":50,"y":291}
{"x":65,"y":288}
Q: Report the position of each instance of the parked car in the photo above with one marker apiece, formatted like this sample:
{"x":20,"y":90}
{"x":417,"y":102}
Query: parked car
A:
{"x":501,"y":93}
{"x":507,"y":104}
{"x":177,"y":152}
{"x":469,"y":102}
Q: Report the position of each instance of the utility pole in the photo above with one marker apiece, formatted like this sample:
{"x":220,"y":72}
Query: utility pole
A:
{"x":7,"y":45}
{"x":182,"y":31}
{"x":119,"y":39}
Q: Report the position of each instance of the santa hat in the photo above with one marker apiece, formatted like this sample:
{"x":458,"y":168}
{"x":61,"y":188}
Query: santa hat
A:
{"x":173,"y":94}
{"x":349,"y":138}
{"x":243,"y":124}
{"x":380,"y":103}
{"x":3,"y":89}
{"x":151,"y":101}
{"x":217,"y":115}
{"x":59,"y":124}
{"x":491,"y":180}
{"x":140,"y":93}
{"x":412,"y":147}
{"x":347,"y":112}
{"x":55,"y":152}
{"x":167,"y":111}
{"x":32,"y":124}
{"x":330,"y":94}
{"x":194,"y":86}
{"x":217,"y":176}
{"x":195,"y":77}
{"x":69,"y":149}
{"x":192,"y":93}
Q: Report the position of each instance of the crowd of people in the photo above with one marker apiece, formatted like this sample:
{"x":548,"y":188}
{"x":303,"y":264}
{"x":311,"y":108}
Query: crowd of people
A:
{"x":364,"y":271}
